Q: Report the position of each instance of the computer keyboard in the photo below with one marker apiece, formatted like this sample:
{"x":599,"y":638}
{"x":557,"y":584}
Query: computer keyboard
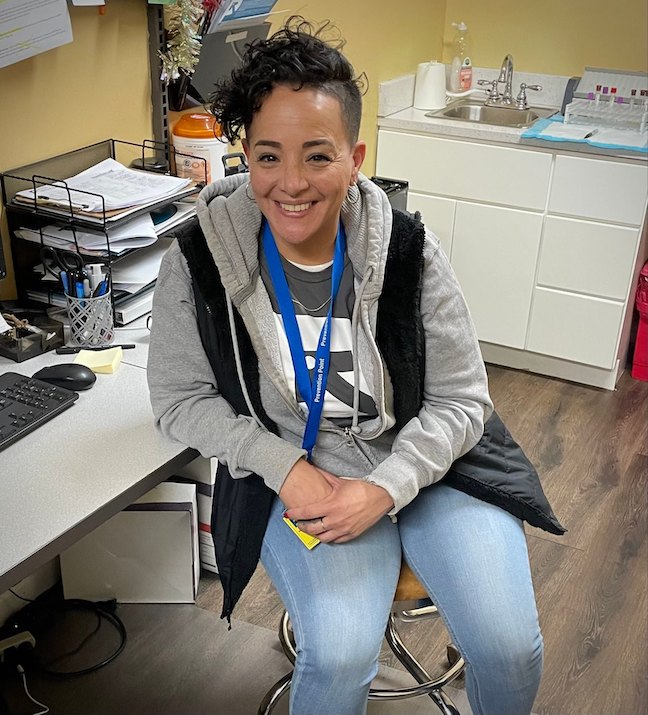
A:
{"x":27,"y":403}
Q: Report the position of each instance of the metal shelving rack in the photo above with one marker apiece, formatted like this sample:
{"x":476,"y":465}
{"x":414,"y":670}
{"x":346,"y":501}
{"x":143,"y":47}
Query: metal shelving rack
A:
{"x":36,"y":216}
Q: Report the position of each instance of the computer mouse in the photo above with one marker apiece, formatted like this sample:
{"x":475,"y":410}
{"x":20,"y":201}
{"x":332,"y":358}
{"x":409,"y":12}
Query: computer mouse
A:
{"x":70,"y":375}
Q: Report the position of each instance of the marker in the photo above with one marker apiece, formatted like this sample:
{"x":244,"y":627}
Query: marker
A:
{"x":65,"y":282}
{"x":71,"y":351}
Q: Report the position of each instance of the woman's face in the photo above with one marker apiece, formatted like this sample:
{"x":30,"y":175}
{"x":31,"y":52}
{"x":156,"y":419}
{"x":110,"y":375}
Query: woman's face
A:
{"x":301,"y":165}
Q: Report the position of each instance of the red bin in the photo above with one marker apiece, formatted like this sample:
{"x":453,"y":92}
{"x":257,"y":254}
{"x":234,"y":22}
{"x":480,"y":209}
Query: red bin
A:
{"x":640,"y":362}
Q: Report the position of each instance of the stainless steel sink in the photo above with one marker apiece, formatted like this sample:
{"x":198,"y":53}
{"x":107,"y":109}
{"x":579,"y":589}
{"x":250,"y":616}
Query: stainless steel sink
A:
{"x":472,"y":111}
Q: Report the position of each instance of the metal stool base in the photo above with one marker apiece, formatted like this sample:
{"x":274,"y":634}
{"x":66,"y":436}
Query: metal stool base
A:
{"x":432,"y":687}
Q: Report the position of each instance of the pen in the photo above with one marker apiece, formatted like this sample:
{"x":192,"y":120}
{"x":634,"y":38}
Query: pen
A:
{"x":71,"y":350}
{"x":591,"y":134}
{"x":101,"y":289}
{"x":65,"y":282}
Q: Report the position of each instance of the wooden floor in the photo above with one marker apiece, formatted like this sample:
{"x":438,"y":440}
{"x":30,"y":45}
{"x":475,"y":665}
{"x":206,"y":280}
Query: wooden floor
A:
{"x":591,"y":449}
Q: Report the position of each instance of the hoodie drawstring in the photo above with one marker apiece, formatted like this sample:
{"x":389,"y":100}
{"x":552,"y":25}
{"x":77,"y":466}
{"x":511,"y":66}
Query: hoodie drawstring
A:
{"x":354,"y":348}
{"x":237,"y":358}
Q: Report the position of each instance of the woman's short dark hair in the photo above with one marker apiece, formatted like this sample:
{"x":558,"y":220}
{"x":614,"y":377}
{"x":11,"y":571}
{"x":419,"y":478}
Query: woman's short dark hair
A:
{"x":296,"y":56}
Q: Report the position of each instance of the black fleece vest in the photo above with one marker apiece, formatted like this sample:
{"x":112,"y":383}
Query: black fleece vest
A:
{"x":496,"y":470}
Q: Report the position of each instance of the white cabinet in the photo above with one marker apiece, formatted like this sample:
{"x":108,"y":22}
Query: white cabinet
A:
{"x":437,"y":214}
{"x":599,"y":189}
{"x":544,"y":245}
{"x":575,"y":327}
{"x":478,"y":172}
{"x":494,"y":256}
{"x":587,"y":257}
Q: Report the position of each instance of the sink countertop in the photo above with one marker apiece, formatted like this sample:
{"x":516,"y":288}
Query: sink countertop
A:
{"x":414,"y":120}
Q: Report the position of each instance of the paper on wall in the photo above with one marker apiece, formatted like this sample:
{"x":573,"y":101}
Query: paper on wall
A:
{"x":29,"y":27}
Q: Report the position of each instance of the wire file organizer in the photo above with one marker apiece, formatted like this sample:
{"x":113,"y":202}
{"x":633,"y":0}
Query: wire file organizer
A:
{"x":33,"y":214}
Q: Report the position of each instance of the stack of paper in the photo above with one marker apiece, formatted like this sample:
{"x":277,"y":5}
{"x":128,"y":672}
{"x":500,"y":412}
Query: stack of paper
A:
{"x":136,"y":270}
{"x":106,"y":186}
{"x":135,"y":233}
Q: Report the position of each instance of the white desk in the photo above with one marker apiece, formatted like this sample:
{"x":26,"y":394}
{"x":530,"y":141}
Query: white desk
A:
{"x":67,"y":477}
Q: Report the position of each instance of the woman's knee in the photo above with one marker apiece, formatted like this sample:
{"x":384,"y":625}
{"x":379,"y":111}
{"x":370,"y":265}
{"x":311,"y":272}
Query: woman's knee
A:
{"x":510,"y":656}
{"x":347,"y":648}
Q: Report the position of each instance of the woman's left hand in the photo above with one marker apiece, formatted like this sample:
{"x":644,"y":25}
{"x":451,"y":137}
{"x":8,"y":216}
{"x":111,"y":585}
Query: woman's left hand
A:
{"x":351,"y":508}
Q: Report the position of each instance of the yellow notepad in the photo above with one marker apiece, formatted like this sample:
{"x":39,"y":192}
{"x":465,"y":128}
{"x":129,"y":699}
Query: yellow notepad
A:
{"x":310,"y":542}
{"x":106,"y":361}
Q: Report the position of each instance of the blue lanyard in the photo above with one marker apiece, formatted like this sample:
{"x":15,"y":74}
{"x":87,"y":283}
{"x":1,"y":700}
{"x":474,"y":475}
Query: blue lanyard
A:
{"x":311,"y":390}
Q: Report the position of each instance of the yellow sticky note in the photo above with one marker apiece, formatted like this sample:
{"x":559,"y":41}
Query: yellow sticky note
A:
{"x":106,"y":361}
{"x":310,"y":542}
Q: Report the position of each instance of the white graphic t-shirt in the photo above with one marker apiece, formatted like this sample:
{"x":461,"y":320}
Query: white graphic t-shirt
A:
{"x":310,"y":289}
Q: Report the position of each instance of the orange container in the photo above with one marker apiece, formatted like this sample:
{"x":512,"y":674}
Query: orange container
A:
{"x":199,"y":146}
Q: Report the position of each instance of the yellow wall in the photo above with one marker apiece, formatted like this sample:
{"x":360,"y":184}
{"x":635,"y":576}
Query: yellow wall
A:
{"x":554,"y":36}
{"x":384,"y":40}
{"x":98,"y":86}
{"x":94,"y":88}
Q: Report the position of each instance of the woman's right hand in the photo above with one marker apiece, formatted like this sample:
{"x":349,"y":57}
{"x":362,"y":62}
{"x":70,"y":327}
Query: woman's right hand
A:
{"x":304,"y":485}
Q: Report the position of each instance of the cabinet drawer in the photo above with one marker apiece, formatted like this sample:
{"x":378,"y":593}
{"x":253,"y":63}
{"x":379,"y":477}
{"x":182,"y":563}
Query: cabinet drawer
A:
{"x":437,"y":214}
{"x":480,"y":172}
{"x":587,"y":257}
{"x":606,"y":190}
{"x":575,"y":327}
{"x":496,"y":268}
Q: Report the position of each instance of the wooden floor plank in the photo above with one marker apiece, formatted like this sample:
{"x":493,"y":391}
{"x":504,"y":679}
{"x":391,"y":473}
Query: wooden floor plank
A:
{"x":593,"y":605}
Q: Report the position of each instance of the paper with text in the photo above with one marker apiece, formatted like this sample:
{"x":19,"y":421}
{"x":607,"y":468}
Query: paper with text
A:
{"x":29,"y":27}
{"x":108,"y":185}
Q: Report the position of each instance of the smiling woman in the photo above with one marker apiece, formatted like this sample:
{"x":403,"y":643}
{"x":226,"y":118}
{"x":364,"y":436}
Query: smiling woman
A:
{"x":317,"y":343}
{"x":301,"y":166}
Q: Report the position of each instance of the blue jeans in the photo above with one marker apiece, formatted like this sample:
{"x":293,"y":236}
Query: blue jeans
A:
{"x":472,"y":559}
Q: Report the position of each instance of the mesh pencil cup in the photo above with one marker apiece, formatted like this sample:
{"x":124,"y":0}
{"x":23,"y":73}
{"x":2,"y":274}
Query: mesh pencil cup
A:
{"x":91,"y":320}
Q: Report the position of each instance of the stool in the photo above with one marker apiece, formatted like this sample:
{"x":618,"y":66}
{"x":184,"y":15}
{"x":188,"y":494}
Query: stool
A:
{"x":409,"y":589}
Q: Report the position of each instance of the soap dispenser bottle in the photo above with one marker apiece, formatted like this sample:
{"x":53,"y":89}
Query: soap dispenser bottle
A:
{"x":461,"y":67}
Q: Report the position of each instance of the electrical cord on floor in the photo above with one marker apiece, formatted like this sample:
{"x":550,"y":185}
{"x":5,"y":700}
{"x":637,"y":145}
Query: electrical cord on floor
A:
{"x":22,"y":598}
{"x":37,"y":617}
{"x":103,"y":609}
{"x":46,"y":709}
{"x":78,"y":649}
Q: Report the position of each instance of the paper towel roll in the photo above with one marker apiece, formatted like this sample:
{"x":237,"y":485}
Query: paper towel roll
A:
{"x":430,"y":88}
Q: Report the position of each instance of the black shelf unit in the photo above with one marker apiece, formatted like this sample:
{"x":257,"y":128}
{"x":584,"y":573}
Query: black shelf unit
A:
{"x":35,"y":216}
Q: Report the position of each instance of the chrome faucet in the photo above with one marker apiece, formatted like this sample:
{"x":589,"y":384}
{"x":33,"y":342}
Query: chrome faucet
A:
{"x":506,"y":76}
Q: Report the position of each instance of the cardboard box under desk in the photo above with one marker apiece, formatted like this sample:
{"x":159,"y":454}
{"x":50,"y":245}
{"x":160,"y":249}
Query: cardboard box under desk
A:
{"x":202,"y":472}
{"x":147,"y":553}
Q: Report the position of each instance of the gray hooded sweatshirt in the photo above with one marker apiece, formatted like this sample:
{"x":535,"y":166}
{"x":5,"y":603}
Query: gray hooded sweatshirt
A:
{"x":186,"y":400}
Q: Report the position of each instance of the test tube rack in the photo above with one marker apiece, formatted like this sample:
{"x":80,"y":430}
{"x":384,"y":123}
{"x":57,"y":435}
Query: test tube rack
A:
{"x":606,"y":113}
{"x":610,"y":98}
